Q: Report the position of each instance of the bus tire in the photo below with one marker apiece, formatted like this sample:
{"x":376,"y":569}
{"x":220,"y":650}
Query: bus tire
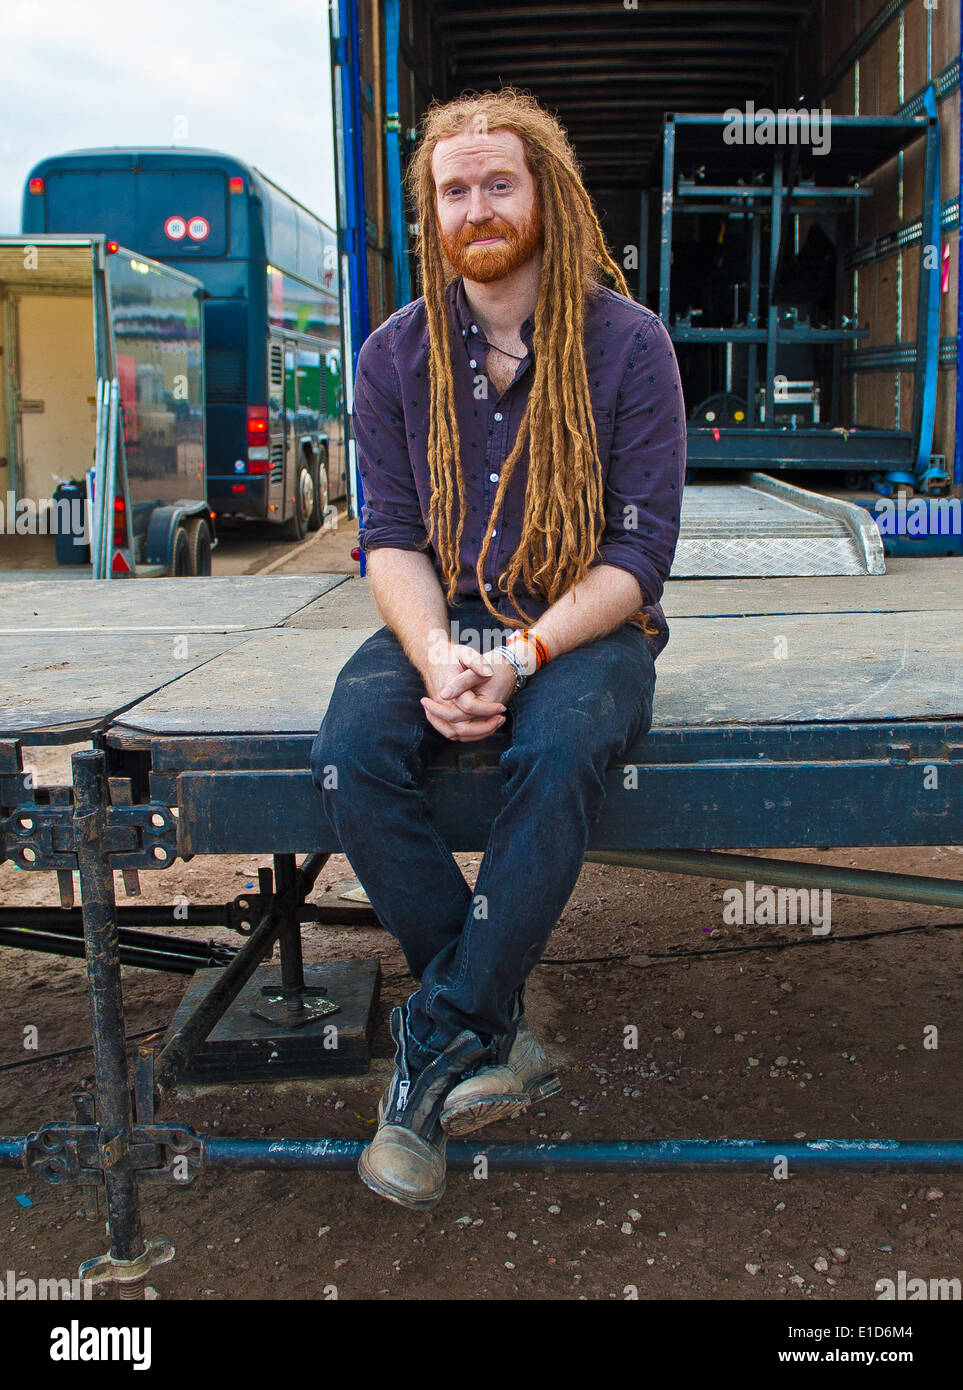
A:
{"x":320,"y":491}
{"x":199,"y":540}
{"x":180,"y":566}
{"x":305,"y":500}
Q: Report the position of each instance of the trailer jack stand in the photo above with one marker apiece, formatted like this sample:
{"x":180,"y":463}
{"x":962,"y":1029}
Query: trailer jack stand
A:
{"x":129,"y":1275}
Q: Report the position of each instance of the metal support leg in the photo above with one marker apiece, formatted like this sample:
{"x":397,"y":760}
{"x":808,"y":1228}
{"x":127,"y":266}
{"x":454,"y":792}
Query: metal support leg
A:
{"x":295,"y":1002}
{"x":113,"y":1107}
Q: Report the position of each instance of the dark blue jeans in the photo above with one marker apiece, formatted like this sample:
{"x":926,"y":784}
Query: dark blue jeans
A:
{"x":575,"y":716}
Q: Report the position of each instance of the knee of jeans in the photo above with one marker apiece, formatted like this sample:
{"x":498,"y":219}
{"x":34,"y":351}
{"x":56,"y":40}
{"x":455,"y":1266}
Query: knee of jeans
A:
{"x":561,"y":766}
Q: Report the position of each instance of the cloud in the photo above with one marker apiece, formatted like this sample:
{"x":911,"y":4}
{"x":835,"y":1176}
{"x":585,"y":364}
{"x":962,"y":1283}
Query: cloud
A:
{"x":251,"y":79}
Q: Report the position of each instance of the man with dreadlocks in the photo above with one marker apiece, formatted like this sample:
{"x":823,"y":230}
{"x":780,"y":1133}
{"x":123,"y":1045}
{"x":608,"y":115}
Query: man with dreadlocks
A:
{"x":521,"y":439}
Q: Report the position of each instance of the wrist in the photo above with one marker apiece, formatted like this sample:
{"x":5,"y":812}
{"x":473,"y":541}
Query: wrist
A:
{"x":525,"y":652}
{"x":528,"y":645}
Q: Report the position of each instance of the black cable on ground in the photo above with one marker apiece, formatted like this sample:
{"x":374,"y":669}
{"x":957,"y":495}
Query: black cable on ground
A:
{"x":71,"y":1051}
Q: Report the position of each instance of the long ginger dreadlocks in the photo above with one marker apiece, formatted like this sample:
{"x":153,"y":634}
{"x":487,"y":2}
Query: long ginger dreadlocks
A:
{"x":563,"y":512}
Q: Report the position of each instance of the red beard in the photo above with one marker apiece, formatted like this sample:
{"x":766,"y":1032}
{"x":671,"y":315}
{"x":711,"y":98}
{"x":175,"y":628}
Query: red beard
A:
{"x":488,"y":263}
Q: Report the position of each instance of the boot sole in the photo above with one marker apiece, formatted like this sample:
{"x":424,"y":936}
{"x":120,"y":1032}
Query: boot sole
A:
{"x":392,"y":1194}
{"x":477,"y":1113}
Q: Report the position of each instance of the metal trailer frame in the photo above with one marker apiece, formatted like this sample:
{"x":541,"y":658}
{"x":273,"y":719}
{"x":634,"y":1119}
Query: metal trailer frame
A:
{"x":904,"y":455}
{"x":117,"y":814}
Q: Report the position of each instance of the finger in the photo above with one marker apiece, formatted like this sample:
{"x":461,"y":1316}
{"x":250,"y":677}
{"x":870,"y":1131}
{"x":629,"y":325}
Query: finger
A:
{"x":454,"y":714}
{"x":442,"y":726}
{"x":446,"y":710}
{"x":472,"y":660}
{"x":461,"y":731}
{"x":457,"y":684}
{"x":470,"y":733}
{"x":478,"y":707}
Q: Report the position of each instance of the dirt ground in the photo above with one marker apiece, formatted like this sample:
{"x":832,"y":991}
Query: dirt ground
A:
{"x":845,"y":1020}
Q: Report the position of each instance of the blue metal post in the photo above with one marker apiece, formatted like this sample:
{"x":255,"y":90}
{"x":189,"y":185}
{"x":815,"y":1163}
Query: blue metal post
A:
{"x":352,"y":221}
{"x":668,"y":188}
{"x":396,"y":198}
{"x":958,"y":449}
{"x":928,"y":323}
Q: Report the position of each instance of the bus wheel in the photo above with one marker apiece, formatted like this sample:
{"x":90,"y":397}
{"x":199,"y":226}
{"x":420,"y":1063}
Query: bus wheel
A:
{"x":320,"y":492}
{"x":180,"y":567}
{"x":295,"y":528}
{"x":199,"y":540}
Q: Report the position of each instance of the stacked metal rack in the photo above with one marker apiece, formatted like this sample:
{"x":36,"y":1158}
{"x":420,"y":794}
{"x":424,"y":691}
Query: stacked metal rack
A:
{"x":776,"y":183}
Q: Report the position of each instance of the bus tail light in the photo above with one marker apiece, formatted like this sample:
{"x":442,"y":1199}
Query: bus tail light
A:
{"x":258,"y":450}
{"x":35,"y":186}
{"x":257,"y":424}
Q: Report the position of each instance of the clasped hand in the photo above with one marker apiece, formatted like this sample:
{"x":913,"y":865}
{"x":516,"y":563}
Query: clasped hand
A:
{"x":468,"y":694}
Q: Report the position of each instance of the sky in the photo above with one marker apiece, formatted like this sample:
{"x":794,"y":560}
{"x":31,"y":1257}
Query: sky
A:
{"x":250,"y":79}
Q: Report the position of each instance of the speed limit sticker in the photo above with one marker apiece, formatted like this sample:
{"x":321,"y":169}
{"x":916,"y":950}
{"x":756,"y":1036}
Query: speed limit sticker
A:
{"x":198,"y":228}
{"x":175,"y":228}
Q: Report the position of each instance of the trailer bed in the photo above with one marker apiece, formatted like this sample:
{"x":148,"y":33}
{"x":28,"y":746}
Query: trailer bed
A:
{"x":787,"y":713}
{"x":262,"y":655}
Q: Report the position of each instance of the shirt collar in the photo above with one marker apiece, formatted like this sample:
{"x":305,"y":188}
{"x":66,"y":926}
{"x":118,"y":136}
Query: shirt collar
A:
{"x":465,"y":324}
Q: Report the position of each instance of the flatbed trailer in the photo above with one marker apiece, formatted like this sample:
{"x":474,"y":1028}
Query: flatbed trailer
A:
{"x":788,"y":713}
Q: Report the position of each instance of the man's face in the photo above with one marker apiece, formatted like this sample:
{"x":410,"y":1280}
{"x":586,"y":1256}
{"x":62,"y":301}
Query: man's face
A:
{"x":489,"y":212}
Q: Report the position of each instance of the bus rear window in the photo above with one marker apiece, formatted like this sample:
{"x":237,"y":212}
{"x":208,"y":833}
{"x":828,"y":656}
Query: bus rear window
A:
{"x":158,"y":212}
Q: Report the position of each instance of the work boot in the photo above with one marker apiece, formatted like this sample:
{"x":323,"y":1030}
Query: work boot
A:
{"x":520,"y":1074}
{"x":405,"y":1161}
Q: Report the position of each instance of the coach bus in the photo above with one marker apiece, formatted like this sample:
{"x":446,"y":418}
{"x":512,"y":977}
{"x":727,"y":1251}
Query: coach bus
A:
{"x":273,"y":346}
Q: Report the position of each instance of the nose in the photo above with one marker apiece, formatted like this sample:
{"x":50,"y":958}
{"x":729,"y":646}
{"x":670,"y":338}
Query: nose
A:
{"x":479,"y":207}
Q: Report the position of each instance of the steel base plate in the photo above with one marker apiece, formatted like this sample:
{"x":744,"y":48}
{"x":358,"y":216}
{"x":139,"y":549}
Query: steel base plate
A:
{"x":245,"y":1047}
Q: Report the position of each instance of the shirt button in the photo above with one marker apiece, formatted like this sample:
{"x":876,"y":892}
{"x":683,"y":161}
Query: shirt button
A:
{"x":473,"y":363}
{"x":493,"y":477}
{"x":499,"y":415}
{"x":487,"y":586}
{"x":494,"y":533}
{"x":474,"y":329}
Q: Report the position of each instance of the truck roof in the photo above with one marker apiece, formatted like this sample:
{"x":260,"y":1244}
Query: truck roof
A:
{"x":73,"y":239}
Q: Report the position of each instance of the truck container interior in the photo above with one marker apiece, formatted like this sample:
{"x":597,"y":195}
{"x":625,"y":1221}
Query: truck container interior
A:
{"x":811,"y":292}
{"x":48,"y":382}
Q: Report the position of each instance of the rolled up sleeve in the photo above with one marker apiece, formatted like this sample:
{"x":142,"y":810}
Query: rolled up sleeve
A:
{"x":391,"y":514}
{"x":647,"y":462}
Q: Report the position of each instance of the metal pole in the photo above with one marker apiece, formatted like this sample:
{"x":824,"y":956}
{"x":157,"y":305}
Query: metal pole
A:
{"x":665,"y":1155}
{"x":289,"y":937}
{"x":772,"y":327}
{"x":668,"y":1155}
{"x":106,"y":1011}
{"x":195,"y":1028}
{"x":50,"y":944}
{"x":110,"y":481}
{"x":668,"y":186}
{"x":737,"y":868}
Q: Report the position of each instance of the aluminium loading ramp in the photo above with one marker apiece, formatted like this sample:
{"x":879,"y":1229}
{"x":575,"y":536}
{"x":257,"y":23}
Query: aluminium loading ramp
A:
{"x":762,"y":527}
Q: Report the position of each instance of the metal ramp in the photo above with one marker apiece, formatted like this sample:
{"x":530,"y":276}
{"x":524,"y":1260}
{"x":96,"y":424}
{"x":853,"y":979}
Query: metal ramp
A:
{"x":762,"y":527}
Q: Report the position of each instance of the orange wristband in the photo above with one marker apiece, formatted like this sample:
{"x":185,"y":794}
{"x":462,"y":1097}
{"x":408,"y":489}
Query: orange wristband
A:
{"x":532,"y":637}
